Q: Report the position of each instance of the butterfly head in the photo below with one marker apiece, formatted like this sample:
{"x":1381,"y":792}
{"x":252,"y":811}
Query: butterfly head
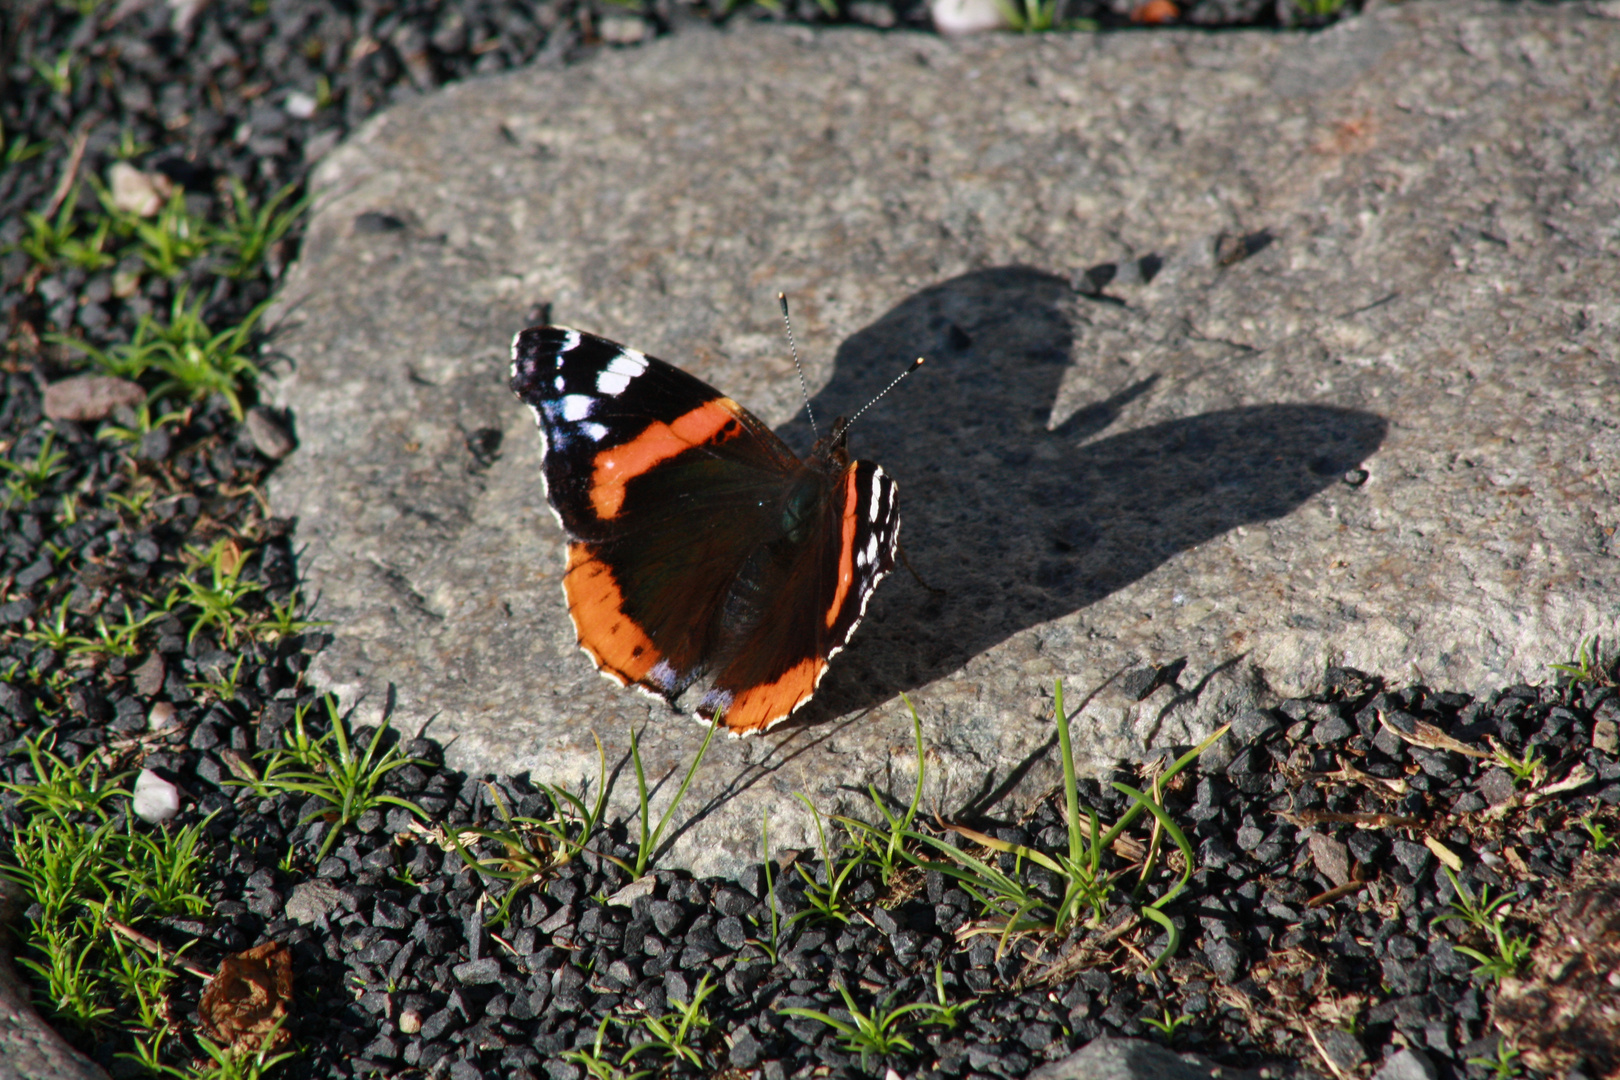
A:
{"x":833,"y":448}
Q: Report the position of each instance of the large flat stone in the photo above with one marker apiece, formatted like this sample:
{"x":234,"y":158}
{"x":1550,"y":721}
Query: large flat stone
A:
{"x":1101,"y":484}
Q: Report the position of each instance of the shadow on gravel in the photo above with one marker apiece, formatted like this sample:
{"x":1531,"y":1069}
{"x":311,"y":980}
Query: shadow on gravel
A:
{"x":1020,"y":524}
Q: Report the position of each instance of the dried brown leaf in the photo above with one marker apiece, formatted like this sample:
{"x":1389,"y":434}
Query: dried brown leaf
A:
{"x":248,"y":998}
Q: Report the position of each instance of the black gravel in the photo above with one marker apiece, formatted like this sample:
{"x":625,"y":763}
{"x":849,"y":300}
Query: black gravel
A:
{"x":1308,"y":931}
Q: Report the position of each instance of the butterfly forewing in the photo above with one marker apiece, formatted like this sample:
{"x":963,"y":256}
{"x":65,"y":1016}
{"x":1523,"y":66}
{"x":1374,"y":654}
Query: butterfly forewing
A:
{"x":607,"y":412}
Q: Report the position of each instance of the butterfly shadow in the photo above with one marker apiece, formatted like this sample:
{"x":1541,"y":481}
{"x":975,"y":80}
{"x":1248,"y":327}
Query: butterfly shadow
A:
{"x":1019,"y":522}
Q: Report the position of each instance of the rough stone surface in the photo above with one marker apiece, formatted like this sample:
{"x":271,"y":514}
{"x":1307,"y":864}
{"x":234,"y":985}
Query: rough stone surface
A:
{"x":1384,"y":440}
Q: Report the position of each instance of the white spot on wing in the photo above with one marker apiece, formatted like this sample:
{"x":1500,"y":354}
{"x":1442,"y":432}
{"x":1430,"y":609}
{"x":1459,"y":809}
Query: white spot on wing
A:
{"x":576,"y":407}
{"x":561,"y":382}
{"x":620,"y":370}
{"x":628,"y":362}
{"x":594,"y":431}
{"x":570,"y":341}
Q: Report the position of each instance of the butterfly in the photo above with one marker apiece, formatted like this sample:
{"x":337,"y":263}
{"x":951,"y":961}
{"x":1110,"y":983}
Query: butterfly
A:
{"x":702,"y":551}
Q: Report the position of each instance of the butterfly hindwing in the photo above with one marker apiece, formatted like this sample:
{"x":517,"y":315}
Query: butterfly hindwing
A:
{"x":812,"y":606}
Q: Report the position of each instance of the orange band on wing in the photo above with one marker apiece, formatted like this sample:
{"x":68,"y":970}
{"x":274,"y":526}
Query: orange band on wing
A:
{"x":846,"y":547}
{"x":755,"y":708}
{"x":596,"y":605}
{"x":659,"y":442}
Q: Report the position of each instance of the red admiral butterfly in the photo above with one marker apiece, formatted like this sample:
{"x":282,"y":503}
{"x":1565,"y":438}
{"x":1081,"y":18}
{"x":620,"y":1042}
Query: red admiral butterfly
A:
{"x":700,"y":547}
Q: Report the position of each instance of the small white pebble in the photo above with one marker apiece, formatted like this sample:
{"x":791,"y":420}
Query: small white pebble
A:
{"x":872,"y":13}
{"x":966,"y":16}
{"x":410,"y":1022}
{"x":622,"y":30}
{"x":155,"y":798}
{"x":160,"y":716}
{"x":300,"y":106}
{"x":181,"y":12}
{"x":642,"y":886}
{"x":136,"y":192}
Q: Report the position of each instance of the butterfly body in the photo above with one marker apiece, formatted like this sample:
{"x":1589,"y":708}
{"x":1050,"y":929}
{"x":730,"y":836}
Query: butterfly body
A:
{"x":702,"y":552}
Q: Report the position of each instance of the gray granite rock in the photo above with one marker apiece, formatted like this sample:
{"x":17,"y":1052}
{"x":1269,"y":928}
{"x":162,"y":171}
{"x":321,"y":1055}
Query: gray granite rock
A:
{"x":1407,"y":1064}
{"x":1384,"y":439}
{"x":29,"y":1048}
{"x":311,"y":901}
{"x":269,"y":437}
{"x":1109,"y":1058}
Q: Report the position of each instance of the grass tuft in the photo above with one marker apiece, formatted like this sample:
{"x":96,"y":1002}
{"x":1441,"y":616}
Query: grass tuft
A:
{"x":1084,"y":887}
{"x":218,"y":599}
{"x":15,"y":151}
{"x":1589,"y":667}
{"x":251,"y":232}
{"x":330,"y":769}
{"x":54,"y":243}
{"x":826,"y":897}
{"x":533,"y":849}
{"x":1319,"y":9}
{"x":92,"y":872}
{"x":1486,"y":914}
{"x":30,"y":477}
{"x":1505,"y":1064}
{"x":647,"y":838}
{"x":884,"y":847}
{"x":1169,"y":1027}
{"x":1601,"y":840}
{"x":883,"y":1031}
{"x":167,"y":243}
{"x":1526,"y":768}
{"x":673,"y":1036}
{"x":1030,"y":16}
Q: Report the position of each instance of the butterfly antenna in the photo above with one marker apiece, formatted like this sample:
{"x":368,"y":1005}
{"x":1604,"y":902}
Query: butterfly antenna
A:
{"x":804,"y":387}
{"x":915,"y":364}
